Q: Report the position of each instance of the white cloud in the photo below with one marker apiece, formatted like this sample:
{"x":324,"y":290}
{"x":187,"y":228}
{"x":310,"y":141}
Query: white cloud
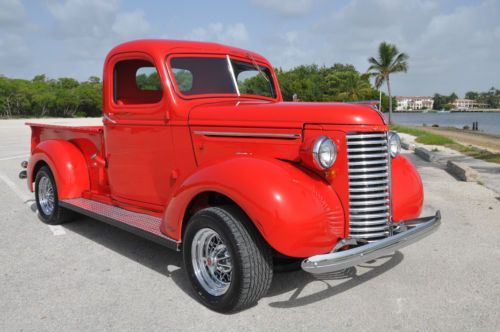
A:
{"x":289,"y":49}
{"x":131,"y":24}
{"x":451,"y":48}
{"x":80,"y":18}
{"x":13,"y":27}
{"x":287,"y":7}
{"x":90,"y":28}
{"x":219,"y":32}
{"x":12,"y":13}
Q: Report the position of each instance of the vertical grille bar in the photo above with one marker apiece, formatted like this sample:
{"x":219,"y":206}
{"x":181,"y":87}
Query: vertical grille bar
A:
{"x":369,"y":185}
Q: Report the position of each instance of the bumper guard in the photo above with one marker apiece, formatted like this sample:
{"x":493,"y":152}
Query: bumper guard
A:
{"x":404,"y":234}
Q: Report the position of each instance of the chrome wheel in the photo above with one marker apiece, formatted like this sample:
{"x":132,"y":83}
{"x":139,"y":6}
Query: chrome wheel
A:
{"x":212,"y":263}
{"x":46,"y":195}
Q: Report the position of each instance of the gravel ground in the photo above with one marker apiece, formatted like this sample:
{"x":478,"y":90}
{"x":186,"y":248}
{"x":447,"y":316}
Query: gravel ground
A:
{"x":90,"y":276}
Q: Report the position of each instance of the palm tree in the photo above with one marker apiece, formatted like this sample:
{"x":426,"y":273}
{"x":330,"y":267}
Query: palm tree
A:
{"x":353,"y":87}
{"x":388,"y":61}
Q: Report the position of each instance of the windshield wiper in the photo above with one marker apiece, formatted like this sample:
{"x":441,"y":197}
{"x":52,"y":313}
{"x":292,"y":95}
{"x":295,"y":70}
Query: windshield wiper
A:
{"x":256,"y":65}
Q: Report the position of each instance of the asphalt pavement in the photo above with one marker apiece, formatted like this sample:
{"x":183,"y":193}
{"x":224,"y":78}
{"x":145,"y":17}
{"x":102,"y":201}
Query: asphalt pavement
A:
{"x":87,"y":275}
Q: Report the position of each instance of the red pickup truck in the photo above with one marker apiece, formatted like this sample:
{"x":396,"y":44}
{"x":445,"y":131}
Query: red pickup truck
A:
{"x":199,"y":152}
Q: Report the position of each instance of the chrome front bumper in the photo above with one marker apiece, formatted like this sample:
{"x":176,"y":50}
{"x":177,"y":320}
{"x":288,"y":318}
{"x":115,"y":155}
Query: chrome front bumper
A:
{"x":404,"y":233}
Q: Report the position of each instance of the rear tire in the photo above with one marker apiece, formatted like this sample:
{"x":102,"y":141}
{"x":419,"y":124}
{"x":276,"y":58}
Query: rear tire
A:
{"x":47,"y":200}
{"x":228,"y":262}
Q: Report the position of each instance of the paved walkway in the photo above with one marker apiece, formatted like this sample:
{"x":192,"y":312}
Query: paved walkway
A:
{"x":488,"y":173}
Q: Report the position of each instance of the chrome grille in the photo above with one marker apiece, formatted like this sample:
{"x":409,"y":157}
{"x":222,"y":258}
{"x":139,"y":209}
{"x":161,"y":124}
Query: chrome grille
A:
{"x":369,"y":185}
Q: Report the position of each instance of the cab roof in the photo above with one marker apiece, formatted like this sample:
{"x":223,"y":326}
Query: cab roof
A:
{"x":162,"y":47}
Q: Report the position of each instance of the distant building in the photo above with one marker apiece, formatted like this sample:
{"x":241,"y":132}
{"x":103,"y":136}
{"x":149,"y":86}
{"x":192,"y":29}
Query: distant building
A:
{"x":466,"y":104}
{"x":414,"y":103}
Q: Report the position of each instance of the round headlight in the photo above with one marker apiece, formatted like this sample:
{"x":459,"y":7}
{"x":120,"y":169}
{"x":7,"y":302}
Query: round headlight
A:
{"x":324,"y":152}
{"x":394,"y":144}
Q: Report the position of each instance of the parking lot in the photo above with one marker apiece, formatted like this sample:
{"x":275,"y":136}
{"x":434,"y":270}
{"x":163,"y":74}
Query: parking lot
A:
{"x":87,"y":275}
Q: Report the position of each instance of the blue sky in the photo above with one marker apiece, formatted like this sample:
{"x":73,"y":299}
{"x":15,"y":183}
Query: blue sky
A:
{"x":454,"y":46}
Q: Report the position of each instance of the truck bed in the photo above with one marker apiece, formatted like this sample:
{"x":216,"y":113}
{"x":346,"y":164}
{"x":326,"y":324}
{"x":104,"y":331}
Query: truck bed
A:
{"x":86,"y":138}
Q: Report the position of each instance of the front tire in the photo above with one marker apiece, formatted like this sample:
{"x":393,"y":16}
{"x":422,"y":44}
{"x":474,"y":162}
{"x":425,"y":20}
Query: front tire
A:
{"x":47,"y":200}
{"x":229,"y":264}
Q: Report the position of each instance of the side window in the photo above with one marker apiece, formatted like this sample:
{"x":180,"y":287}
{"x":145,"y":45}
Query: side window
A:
{"x":251,"y":81}
{"x":136,"y":82}
{"x":146,"y":78}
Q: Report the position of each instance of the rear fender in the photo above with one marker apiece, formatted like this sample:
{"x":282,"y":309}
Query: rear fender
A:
{"x":67,"y":164}
{"x":296,"y":211}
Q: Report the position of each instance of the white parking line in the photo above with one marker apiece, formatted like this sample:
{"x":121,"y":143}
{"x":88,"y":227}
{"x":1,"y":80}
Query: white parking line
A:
{"x":22,"y":195}
{"x":15,"y":157}
{"x":55,"y":229}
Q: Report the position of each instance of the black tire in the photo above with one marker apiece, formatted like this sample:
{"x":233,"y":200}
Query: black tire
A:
{"x":59,"y":215}
{"x":251,"y":258}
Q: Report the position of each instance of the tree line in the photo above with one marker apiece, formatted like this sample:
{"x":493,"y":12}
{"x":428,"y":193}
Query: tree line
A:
{"x":44,"y":97}
{"x":490,"y":99}
{"x":67,"y":97}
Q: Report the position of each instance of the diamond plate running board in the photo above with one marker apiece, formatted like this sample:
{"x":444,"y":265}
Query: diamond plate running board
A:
{"x":140,"y":224}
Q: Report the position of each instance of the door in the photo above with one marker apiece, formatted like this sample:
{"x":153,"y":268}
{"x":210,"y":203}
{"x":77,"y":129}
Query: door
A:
{"x":138,"y":138}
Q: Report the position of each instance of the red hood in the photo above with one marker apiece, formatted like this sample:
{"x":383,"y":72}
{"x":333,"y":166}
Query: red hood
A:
{"x":282,"y":114}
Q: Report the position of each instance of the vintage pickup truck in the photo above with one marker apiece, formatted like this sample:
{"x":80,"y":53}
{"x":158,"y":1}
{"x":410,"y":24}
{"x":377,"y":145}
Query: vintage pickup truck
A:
{"x":199,"y":152}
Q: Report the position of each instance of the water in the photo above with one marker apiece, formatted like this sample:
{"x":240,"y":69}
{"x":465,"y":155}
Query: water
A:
{"x":488,"y":122}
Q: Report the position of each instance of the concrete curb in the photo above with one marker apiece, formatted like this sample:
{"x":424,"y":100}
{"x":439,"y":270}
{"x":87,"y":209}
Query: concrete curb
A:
{"x":461,"y":171}
{"x":425,"y":154}
{"x":408,"y":146}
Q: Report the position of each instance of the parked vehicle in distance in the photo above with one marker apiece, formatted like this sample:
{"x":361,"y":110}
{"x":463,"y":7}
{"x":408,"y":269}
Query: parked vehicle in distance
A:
{"x":199,"y":152}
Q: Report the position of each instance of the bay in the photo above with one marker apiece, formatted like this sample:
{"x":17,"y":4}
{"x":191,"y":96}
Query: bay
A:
{"x":488,"y":122}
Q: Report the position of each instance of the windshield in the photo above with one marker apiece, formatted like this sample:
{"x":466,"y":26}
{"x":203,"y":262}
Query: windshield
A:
{"x":200,"y":76}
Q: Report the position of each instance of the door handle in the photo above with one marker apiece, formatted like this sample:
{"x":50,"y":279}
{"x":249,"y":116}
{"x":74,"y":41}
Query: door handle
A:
{"x":107,"y":117}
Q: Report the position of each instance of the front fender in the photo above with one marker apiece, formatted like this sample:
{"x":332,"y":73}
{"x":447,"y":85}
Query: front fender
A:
{"x":407,"y":190}
{"x":67,"y":164}
{"x":296,"y":211}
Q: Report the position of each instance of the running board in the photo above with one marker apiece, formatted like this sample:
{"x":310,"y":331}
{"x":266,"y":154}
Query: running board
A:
{"x":140,"y":224}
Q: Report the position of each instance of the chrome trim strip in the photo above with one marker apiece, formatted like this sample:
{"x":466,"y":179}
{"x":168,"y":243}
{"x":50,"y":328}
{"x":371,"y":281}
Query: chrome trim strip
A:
{"x":370,"y":229}
{"x":370,"y":236}
{"x":369,"y":202}
{"x":362,"y":190}
{"x":368,"y":162}
{"x":367,"y":183}
{"x":365,"y":196}
{"x":231,"y":71}
{"x":369,"y":223}
{"x":365,"y":170}
{"x":366,"y":156}
{"x":247,"y":134}
{"x":368,"y":176}
{"x":370,"y":209}
{"x":367,"y":149}
{"x":411,"y":232}
{"x":373,"y":215}
{"x":359,"y":136}
{"x":389,"y":186}
{"x":367,"y":142}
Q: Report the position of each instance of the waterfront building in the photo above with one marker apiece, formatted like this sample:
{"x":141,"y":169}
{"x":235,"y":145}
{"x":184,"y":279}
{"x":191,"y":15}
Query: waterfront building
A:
{"x":463,"y":104}
{"x":414,"y":103}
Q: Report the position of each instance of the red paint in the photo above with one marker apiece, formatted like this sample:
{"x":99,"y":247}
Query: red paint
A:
{"x":152,"y":156}
{"x":407,"y":190}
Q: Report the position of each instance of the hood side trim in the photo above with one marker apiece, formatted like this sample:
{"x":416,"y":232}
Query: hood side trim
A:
{"x":247,"y":134}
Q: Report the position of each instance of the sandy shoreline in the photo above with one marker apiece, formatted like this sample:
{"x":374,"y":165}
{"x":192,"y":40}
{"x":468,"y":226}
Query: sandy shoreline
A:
{"x":485,"y":141}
